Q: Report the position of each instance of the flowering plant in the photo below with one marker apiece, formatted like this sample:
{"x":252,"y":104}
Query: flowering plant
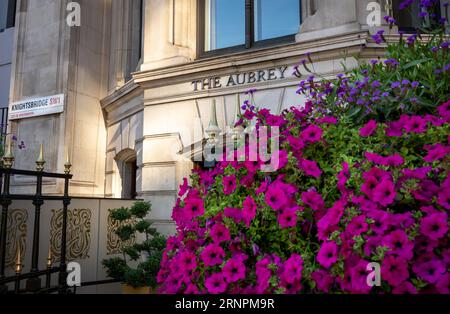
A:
{"x":412,"y":77}
{"x":342,"y":197}
{"x":362,"y":179}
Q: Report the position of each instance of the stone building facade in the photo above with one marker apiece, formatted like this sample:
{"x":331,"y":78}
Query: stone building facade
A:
{"x":140,"y":77}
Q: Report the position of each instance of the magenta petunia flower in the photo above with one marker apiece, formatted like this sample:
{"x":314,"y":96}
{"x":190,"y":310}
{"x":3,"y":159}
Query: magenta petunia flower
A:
{"x":312,"y":134}
{"x":419,"y":173}
{"x":229,"y":184}
{"x":390,"y":161}
{"x":194,"y":207}
{"x":292,"y":269}
{"x":357,"y":226}
{"x":359,"y":276}
{"x":313,"y":200}
{"x":427,"y":190}
{"x":234,"y":213}
{"x":369,"y":186}
{"x":424,"y":245}
{"x":212,"y":255}
{"x":328,"y":254}
{"x":220,"y":233}
{"x":436,"y":152}
{"x":434,"y":226}
{"x":372,"y":243}
{"x":288,"y":217}
{"x":394,"y":129}
{"x":398,"y":243}
{"x":433,"y":120}
{"x":310,"y":168}
{"x":416,"y":124}
{"x":369,"y":129}
{"x":249,"y":210}
{"x":378,"y":174}
{"x":184,"y":188}
{"x":394,"y":270}
{"x":343,"y":177}
{"x":276,"y":197}
{"x":444,"y":111}
{"x":431,"y":271}
{"x":323,"y":280}
{"x":263,"y":274}
{"x":405,"y":288}
{"x":188,"y":261}
{"x":216,"y":284}
{"x":234,"y":270}
{"x":385,"y":193}
{"x":191,"y":289}
{"x":443,"y":284}
{"x":444,"y":198}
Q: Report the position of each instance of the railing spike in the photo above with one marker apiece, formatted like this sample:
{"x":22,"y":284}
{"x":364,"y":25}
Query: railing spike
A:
{"x":18,"y":262}
{"x":40,"y":162}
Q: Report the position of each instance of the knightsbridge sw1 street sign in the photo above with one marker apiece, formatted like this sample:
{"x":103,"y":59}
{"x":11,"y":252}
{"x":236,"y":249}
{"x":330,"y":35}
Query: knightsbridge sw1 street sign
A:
{"x":36,"y":107}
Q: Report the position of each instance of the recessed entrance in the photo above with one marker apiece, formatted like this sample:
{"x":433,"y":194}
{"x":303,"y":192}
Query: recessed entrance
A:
{"x":127,"y":165}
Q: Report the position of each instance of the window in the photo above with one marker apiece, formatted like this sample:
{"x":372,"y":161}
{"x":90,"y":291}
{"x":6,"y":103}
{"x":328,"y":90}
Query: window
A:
{"x":135,"y":33}
{"x":7,"y":14}
{"x":231,"y":25}
{"x":414,"y":17}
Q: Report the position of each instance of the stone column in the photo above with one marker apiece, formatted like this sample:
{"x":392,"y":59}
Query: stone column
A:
{"x":52,"y":58}
{"x":169,"y":33}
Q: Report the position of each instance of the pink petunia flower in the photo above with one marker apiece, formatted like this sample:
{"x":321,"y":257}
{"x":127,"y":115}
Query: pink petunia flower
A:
{"x":323,"y":280}
{"x":288,"y":217}
{"x":234,"y":213}
{"x":220,"y":233}
{"x":394,"y":129}
{"x":234,"y":270}
{"x":188,"y":261}
{"x":399,"y":244}
{"x":310,"y":168}
{"x":369,"y":129}
{"x":312,"y":134}
{"x":194,"y":207}
{"x":216,"y":284}
{"x":444,"y":111}
{"x":385,"y":193}
{"x":229,"y":184}
{"x":431,"y":271}
{"x":444,"y":198}
{"x":328,"y":254}
{"x":357,"y":226}
{"x":416,"y":124}
{"x":359,"y":274}
{"x":436,"y":152}
{"x":292,"y":269}
{"x":369,"y":186}
{"x":313,"y":200}
{"x":275,"y":197}
{"x":434,"y":226}
{"x":405,"y":288}
{"x":212,"y":255}
{"x":249,"y":210}
{"x":380,"y":218}
{"x":443,"y":284}
{"x":394,"y":270}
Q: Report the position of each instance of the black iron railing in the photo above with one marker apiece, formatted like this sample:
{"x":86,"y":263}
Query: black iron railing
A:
{"x":33,"y":279}
{"x":3,"y":124}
